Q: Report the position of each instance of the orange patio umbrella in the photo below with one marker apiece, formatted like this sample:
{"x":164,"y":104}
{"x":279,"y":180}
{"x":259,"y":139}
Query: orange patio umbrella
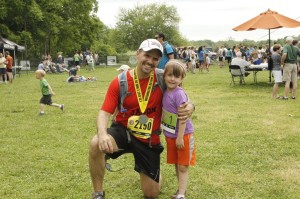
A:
{"x":268,"y":20}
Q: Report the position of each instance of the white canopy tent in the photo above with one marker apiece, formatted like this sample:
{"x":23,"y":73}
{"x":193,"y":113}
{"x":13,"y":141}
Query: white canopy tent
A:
{"x":6,"y":44}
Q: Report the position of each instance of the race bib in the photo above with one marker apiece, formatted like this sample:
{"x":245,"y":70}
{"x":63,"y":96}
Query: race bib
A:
{"x":169,"y":121}
{"x":140,"y":130}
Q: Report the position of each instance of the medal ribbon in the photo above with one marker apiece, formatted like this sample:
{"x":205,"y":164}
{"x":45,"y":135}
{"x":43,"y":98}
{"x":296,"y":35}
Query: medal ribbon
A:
{"x":143,"y":101}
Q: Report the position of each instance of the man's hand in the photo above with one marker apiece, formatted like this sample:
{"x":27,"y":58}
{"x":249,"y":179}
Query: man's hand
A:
{"x":105,"y":144}
{"x":185,"y":111}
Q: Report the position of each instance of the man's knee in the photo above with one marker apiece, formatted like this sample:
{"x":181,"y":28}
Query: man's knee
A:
{"x":150,"y":188}
{"x":94,"y":148}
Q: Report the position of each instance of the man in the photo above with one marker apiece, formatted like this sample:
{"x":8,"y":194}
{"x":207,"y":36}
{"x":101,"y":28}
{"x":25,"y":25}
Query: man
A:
{"x":221,"y":53}
{"x":123,"y":68}
{"x":168,"y":50}
{"x":289,"y":65}
{"x":9,"y":66}
{"x":3,"y":68}
{"x":238,"y":60}
{"x":125,"y":134}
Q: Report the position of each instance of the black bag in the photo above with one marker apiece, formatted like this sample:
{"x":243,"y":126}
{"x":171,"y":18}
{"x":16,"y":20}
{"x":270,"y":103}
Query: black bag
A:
{"x":270,"y":63}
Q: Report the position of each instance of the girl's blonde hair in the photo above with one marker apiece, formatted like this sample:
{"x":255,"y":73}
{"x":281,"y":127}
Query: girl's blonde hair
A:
{"x":178,"y":69}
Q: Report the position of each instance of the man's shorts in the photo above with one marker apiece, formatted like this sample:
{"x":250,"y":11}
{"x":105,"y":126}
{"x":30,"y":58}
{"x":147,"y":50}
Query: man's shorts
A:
{"x":46,"y":99}
{"x":147,"y":159}
{"x":9,"y":70}
{"x":221,"y":58}
{"x":290,"y":72}
{"x":2,"y":71}
{"x":185,"y":156}
{"x":277,"y":74}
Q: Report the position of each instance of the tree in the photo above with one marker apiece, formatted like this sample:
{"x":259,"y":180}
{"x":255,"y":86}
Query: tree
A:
{"x":144,"y":21}
{"x":51,"y":26}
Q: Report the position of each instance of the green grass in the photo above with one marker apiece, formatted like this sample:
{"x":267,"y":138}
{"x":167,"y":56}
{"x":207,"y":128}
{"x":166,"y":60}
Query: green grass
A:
{"x":247,"y":143}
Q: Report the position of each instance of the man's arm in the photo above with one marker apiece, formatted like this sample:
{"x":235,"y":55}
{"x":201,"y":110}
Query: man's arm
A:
{"x":283,"y":57}
{"x":185,"y":110}
{"x":105,"y":144}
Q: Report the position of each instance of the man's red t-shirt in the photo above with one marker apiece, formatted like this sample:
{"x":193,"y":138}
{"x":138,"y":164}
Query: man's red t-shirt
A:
{"x":153,"y":110}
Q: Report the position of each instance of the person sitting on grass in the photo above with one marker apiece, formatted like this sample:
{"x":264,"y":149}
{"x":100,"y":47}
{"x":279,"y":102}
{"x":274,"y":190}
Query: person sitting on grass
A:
{"x":73,"y":77}
{"x":47,"y":92}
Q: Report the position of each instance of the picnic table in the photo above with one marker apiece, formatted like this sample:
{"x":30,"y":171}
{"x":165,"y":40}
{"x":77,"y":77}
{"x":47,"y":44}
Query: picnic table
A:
{"x":256,"y":69}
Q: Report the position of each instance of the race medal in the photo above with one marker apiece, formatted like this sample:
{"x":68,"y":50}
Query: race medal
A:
{"x":139,"y":129}
{"x":143,"y":101}
{"x":143,"y":119}
{"x":169,"y":121}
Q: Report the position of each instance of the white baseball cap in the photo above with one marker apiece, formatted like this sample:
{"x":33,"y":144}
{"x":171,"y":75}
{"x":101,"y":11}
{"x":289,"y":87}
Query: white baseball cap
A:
{"x":150,"y":44}
{"x":289,"y":38}
{"x":123,"y":67}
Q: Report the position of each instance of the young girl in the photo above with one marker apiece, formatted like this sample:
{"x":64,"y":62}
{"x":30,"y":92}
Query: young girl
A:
{"x":207,"y":63}
{"x":179,"y":133}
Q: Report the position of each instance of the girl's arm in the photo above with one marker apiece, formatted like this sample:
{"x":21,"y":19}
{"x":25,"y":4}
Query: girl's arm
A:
{"x":181,"y":129}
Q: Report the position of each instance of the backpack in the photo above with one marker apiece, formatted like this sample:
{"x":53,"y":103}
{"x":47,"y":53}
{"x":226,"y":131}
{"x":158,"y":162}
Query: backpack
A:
{"x":224,"y":53}
{"x":174,"y":51}
{"x":184,"y":54}
{"x":122,"y":78}
{"x":270,"y":63}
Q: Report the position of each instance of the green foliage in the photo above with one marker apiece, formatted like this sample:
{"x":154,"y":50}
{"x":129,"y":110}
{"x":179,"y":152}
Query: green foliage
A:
{"x":144,"y":21}
{"x":55,"y":25}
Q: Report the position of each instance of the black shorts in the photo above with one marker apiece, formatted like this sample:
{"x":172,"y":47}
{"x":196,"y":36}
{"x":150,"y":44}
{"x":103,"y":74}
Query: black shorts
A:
{"x":220,"y":58}
{"x":147,"y":159}
{"x":46,"y":99}
{"x":2,"y":71}
{"x":9,"y":70}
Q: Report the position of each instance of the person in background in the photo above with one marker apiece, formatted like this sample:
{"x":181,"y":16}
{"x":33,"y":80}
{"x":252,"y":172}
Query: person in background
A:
{"x":207,"y":62}
{"x":77,"y":58}
{"x":47,"y":92}
{"x":276,"y":70}
{"x":289,"y":60}
{"x":201,"y":58}
{"x":123,"y":68}
{"x":9,"y":66}
{"x":229,"y":56}
{"x":168,"y":53}
{"x":91,"y":62}
{"x":241,"y":62}
{"x":41,"y":66}
{"x":3,"y":68}
{"x":221,"y":53}
{"x":179,"y":134}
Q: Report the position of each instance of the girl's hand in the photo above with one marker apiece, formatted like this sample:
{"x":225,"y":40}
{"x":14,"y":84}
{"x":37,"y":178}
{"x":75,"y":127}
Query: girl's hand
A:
{"x":179,"y":143}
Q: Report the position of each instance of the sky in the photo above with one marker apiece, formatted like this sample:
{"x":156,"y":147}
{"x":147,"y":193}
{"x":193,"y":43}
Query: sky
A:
{"x":213,"y":19}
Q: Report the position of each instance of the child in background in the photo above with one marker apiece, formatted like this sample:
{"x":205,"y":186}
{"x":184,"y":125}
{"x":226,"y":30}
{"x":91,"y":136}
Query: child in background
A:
{"x":207,"y":63}
{"x":179,"y":134}
{"x":47,"y":92}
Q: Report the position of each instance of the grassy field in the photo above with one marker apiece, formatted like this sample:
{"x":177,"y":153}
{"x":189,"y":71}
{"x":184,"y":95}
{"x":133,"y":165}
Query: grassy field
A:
{"x":247,"y":143}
